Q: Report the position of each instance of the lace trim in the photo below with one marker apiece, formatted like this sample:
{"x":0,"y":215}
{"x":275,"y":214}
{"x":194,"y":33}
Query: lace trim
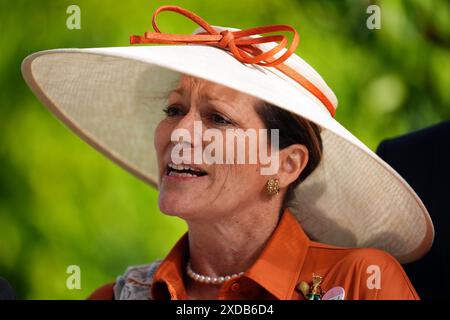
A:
{"x":136,"y":282}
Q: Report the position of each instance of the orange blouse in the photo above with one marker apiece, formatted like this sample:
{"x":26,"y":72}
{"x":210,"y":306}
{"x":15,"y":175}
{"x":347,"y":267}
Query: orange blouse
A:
{"x":289,"y":258}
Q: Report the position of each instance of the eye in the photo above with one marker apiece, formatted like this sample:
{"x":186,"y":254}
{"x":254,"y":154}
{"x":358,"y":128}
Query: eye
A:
{"x":219,"y":119}
{"x":173,"y":111}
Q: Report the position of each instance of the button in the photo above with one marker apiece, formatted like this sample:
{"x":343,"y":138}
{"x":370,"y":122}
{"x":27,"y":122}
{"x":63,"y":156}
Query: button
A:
{"x":235,"y":287}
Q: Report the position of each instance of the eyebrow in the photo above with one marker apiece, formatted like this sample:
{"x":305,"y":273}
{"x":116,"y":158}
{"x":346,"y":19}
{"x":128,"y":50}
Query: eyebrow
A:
{"x":177,"y":90}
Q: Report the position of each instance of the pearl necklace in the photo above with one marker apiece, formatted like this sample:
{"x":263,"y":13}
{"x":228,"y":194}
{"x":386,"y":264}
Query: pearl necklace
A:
{"x":207,"y":279}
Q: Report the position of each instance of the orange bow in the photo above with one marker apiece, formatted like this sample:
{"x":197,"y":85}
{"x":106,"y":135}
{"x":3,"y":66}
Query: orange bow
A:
{"x":239,"y":44}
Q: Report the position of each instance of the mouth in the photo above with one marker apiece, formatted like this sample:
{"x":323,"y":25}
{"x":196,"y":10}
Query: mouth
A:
{"x":184,"y":171}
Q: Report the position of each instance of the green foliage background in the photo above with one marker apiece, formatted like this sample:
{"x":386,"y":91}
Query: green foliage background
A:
{"x":62,"y":203}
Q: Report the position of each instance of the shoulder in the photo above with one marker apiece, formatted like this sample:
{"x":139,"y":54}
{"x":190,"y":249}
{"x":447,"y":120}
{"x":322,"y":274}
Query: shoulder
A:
{"x":370,"y":256}
{"x":105,"y":292}
{"x":375,"y":274}
{"x":365,"y":273}
{"x":351,"y":257}
{"x":426,"y":138}
{"x":134,"y":284}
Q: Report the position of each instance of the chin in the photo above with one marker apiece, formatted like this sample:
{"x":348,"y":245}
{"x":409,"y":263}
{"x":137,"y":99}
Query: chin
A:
{"x":175,"y":206}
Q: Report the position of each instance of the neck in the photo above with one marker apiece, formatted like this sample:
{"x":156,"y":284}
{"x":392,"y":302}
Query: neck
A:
{"x":231,"y":245}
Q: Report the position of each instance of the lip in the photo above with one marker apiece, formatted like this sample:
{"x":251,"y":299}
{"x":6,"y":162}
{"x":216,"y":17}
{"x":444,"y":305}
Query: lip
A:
{"x":183,"y":179}
{"x":193,"y":166}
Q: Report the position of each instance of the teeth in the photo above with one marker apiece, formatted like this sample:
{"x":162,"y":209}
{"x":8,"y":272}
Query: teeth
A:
{"x":181,"y":174}
{"x":181,"y":167}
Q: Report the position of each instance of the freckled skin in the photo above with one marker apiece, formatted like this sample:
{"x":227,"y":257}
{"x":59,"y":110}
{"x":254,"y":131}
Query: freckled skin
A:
{"x":227,"y":186}
{"x":229,"y":214}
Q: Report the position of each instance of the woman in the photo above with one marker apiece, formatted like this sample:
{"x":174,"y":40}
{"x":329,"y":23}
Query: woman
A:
{"x":252,"y":224}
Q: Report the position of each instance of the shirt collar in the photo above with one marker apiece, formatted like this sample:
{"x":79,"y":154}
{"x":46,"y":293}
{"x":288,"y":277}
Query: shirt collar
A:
{"x":169,"y":277}
{"x":277,"y":269}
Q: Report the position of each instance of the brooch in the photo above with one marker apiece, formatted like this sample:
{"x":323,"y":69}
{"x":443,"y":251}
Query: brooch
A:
{"x":315,"y":292}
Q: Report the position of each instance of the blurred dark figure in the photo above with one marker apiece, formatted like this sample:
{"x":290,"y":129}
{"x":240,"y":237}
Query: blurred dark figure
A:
{"x":6,"y":292}
{"x":422,"y":158}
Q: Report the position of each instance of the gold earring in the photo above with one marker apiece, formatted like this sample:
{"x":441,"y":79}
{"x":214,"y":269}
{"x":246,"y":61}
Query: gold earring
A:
{"x":272,"y":186}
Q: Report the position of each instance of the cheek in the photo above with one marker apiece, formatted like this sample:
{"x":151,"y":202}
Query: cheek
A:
{"x":245,"y":177}
{"x":254,"y":177}
{"x":162,"y":138}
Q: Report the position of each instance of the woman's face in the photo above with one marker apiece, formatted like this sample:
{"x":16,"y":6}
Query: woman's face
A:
{"x":217,"y":189}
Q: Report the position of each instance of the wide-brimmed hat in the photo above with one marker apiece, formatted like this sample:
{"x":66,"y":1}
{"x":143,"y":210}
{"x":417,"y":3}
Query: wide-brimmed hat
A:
{"x":113,"y":97}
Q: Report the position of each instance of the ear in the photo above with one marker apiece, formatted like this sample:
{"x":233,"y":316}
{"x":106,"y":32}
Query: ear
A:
{"x":293,"y":160}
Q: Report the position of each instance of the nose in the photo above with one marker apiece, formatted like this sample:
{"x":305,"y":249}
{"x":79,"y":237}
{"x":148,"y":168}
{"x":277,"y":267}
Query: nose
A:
{"x":190,"y":124}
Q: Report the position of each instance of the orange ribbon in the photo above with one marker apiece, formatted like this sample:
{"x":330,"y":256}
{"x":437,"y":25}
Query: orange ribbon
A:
{"x":239,"y":44}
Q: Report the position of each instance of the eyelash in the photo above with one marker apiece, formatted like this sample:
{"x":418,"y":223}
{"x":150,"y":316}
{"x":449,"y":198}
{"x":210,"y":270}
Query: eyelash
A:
{"x":167,"y":111}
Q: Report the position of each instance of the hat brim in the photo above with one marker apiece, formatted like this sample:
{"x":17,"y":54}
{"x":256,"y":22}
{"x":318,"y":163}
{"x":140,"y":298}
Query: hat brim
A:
{"x":113,"y":99}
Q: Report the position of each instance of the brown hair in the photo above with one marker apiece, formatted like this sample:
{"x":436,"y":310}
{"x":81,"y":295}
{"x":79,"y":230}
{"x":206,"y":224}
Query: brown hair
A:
{"x":293,"y":129}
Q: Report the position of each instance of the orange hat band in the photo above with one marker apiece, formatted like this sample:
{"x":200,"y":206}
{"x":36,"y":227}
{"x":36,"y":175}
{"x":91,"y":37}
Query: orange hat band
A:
{"x":239,"y":44}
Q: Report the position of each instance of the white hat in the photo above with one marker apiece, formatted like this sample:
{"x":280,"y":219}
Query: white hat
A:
{"x":113,"y":97}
